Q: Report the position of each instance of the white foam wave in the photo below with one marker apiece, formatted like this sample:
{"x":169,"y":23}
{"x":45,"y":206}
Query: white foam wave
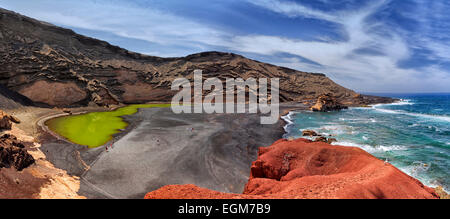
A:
{"x":357,"y":120}
{"x":418,"y":170}
{"x":288,"y":119}
{"x":372,"y":149}
{"x":399,"y":103}
{"x":402,"y":102}
{"x":332,"y":129}
{"x":427,"y":116}
{"x":408,"y":102}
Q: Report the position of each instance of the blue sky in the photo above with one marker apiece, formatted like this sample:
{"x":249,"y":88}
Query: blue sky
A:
{"x":368,"y":46}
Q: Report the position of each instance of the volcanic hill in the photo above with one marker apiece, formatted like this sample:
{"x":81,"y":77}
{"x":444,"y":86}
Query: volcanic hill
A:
{"x":54,"y":66}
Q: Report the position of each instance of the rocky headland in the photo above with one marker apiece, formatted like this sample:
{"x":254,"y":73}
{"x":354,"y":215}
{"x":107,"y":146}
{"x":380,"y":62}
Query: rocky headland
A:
{"x":326,"y":103}
{"x":302,"y":169}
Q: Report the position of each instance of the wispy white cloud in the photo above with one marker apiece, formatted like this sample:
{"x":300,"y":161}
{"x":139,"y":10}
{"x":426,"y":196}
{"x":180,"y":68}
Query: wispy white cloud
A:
{"x":370,"y":72}
{"x":123,"y":19}
{"x":365,"y":58}
{"x":433,"y":18}
{"x":292,"y":9}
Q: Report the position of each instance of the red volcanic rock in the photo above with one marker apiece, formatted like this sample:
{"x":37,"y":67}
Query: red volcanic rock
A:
{"x":190,"y":192}
{"x":302,"y":169}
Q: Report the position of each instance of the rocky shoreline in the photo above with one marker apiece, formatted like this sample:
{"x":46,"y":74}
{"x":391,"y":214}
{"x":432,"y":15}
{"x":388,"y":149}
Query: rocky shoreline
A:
{"x":302,"y":169}
{"x":265,"y":182}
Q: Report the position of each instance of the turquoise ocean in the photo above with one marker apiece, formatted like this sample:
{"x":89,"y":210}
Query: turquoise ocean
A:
{"x":413,"y":134}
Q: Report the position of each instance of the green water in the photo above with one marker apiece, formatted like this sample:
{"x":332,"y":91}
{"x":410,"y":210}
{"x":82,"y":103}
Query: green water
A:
{"x":97,"y":128}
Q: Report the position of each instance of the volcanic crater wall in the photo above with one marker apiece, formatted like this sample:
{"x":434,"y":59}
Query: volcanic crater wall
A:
{"x":57,"y":67}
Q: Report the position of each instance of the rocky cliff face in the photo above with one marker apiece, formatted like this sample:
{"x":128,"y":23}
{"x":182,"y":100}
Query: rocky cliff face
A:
{"x":301,"y":169}
{"x":57,"y":67}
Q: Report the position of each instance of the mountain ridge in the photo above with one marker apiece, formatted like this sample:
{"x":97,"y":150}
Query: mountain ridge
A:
{"x":56,"y":66}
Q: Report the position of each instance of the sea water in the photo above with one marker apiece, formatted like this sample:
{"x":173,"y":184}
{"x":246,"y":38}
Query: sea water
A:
{"x":413,"y":134}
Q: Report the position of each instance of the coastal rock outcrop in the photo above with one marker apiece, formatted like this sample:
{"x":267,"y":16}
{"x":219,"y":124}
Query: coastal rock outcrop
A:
{"x":13,"y":153}
{"x":319,"y":137}
{"x":309,"y":133}
{"x":326,"y":103}
{"x":331,"y":140}
{"x":302,"y":169}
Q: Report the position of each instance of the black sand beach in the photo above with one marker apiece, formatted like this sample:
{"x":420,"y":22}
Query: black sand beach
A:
{"x":160,"y":148}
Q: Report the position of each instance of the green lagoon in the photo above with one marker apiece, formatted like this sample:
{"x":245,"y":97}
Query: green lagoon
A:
{"x":96,"y":128}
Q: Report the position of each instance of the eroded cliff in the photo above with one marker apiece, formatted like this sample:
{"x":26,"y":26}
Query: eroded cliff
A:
{"x":57,"y":67}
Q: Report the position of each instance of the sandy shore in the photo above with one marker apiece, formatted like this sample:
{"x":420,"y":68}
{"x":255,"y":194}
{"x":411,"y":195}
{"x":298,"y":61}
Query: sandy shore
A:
{"x":159,"y":148}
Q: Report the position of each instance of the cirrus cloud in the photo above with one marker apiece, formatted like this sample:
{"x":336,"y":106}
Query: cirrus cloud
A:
{"x":374,"y":46}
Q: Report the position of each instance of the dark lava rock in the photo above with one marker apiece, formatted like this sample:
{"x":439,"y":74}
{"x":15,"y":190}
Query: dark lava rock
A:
{"x":321,"y":139}
{"x":5,"y":123}
{"x":331,"y":140}
{"x":7,"y":120}
{"x":14,"y":119}
{"x":310,"y":133}
{"x":13,"y":153}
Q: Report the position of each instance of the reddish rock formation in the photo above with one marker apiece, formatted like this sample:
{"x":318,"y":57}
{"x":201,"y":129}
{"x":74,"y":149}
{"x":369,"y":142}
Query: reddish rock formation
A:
{"x":326,"y":103}
{"x":13,"y":153}
{"x":302,"y":169}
